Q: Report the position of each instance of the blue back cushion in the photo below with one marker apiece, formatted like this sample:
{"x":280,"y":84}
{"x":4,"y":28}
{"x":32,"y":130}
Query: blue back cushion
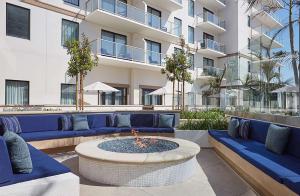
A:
{"x":259,"y":130}
{"x":6,"y":173}
{"x":11,"y":123}
{"x":97,"y":120}
{"x":294,"y":142}
{"x":44,"y":122}
{"x":142,"y":120}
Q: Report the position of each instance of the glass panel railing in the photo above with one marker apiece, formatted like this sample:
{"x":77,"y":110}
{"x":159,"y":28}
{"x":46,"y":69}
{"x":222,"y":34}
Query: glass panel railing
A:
{"x":126,"y":52}
{"x":211,"y":44}
{"x":130,"y":12}
{"x":178,"y":1}
{"x":209,"y":17}
{"x":270,"y":33}
{"x":212,"y":71}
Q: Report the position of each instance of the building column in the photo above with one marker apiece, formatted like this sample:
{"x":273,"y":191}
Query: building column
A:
{"x":134,"y":89}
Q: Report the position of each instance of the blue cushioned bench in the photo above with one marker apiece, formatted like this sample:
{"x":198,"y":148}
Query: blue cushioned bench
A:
{"x":284,"y":169}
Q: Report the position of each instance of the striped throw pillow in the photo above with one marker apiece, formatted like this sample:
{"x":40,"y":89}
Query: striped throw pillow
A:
{"x":66,"y":122}
{"x":11,"y":123}
{"x":244,"y":129}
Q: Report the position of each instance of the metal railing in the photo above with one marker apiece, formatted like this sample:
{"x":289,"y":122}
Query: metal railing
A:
{"x":130,"y":12}
{"x":212,"y":71}
{"x":209,"y":17}
{"x":126,"y":52}
{"x":213,"y":45}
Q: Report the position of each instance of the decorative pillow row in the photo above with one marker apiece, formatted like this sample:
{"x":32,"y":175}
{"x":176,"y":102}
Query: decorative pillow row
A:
{"x":238,"y":128}
{"x":74,"y":122}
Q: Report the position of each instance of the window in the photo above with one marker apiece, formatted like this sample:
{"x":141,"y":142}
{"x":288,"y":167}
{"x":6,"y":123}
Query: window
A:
{"x":154,"y":17}
{"x":16,"y":92}
{"x":17,"y":21}
{"x":192,"y":61}
{"x":150,"y":99}
{"x":119,"y":7}
{"x":153,"y":52}
{"x":115,"y":98}
{"x":177,"y":26}
{"x":114,"y":45}
{"x":208,"y":62}
{"x":191,"y":8}
{"x":249,"y":66}
{"x":208,"y":36}
{"x":68,"y":94}
{"x":69,"y":31}
{"x":191,"y":33}
{"x":249,"y":21}
{"x":73,"y":2}
{"x":249,"y":43}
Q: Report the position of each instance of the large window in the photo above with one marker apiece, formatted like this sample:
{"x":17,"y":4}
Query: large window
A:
{"x":115,"y":98}
{"x":73,"y":2}
{"x":208,"y":62}
{"x":17,"y":21}
{"x":177,"y":26}
{"x":154,"y":17}
{"x":69,"y":31}
{"x":147,"y":99}
{"x":68,"y":94}
{"x":153,"y":52}
{"x":191,"y":8}
{"x":16,"y":92}
{"x":191,"y":32}
{"x":191,"y":59}
{"x":114,"y":45}
{"x":119,"y":7}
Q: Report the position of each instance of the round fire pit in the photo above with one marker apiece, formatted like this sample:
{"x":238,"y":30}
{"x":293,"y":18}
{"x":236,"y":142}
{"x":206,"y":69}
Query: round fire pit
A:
{"x":152,"y":161}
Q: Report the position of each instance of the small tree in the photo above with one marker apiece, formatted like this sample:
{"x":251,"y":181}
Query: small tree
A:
{"x":81,"y":62}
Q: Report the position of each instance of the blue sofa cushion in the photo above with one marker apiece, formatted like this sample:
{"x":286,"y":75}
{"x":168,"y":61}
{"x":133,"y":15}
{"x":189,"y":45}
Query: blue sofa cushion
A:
{"x":233,"y":128}
{"x":165,"y":121}
{"x":43,"y":122}
{"x":277,"y":138}
{"x":11,"y":123}
{"x":142,"y":120}
{"x":244,"y":129}
{"x":47,"y":135}
{"x":105,"y":130}
{"x":293,"y":183}
{"x":259,"y":130}
{"x":97,"y":120}
{"x":123,"y":120}
{"x":154,"y":130}
{"x":294,"y":141}
{"x":85,"y":133}
{"x":66,"y":122}
{"x":43,"y":166}
{"x":6,"y":172}
{"x":18,"y":153}
{"x":80,"y":122}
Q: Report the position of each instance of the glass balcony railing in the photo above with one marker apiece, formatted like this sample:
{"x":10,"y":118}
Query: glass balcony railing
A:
{"x":126,"y":52}
{"x":130,"y":12}
{"x":213,"y":45}
{"x":178,"y":1}
{"x":209,"y":17}
{"x":212,"y":71}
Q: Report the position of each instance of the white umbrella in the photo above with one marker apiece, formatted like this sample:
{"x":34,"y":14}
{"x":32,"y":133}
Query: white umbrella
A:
{"x":100,"y":87}
{"x":160,"y":91}
{"x":286,"y":89}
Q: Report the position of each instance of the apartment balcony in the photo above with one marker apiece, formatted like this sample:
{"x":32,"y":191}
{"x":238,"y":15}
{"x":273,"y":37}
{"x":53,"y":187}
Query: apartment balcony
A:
{"x":121,"y":55}
{"x":210,"y":22}
{"x":170,"y":5}
{"x":213,"y":4}
{"x":125,"y":17}
{"x":265,"y":36}
{"x":267,"y":19}
{"x":208,"y":72}
{"x":211,"y":48}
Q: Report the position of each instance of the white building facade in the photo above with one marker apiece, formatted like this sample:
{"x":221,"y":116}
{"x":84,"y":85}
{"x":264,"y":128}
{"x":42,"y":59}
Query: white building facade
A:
{"x":131,"y":39}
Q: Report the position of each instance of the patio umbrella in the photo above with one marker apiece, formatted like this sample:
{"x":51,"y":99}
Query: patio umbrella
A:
{"x":161,"y":91}
{"x":100,"y":87}
{"x":286,"y":89}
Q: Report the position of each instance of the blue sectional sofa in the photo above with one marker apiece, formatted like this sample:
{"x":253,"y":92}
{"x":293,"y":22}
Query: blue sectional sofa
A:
{"x":282,"y":169}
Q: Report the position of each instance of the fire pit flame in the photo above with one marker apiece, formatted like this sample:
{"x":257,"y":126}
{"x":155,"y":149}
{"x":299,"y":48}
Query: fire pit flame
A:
{"x":141,"y":142}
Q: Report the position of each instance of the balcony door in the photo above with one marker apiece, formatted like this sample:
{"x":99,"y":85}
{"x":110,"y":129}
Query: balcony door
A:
{"x":118,"y":7}
{"x":114,"y":45}
{"x":154,"y":17}
{"x":153,"y":52}
{"x":208,"y":15}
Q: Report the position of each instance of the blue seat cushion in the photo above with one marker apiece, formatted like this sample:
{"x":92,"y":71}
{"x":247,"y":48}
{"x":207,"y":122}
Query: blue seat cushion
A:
{"x":106,"y":130}
{"x":37,"y":123}
{"x":43,"y":166}
{"x":142,"y":120}
{"x":294,"y":141}
{"x":97,"y":120}
{"x":293,"y":183}
{"x":47,"y":135}
{"x":259,"y":130}
{"x":84,"y":133}
{"x":154,"y":130}
{"x":6,"y":172}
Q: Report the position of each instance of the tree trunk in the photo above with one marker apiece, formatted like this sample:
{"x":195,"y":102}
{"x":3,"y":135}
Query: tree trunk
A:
{"x":81,"y":91}
{"x":76,"y":92}
{"x":183,"y":93}
{"x":178,"y":95}
{"x":173,"y":95}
